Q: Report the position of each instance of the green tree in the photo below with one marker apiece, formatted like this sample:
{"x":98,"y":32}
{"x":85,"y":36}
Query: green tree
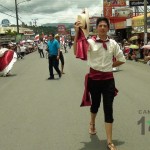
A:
{"x":11,"y":33}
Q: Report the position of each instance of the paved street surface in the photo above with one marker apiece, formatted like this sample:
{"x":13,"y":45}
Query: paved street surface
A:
{"x":39,"y":114}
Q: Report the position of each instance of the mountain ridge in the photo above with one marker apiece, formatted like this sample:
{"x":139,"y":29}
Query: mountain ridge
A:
{"x":67,"y":25}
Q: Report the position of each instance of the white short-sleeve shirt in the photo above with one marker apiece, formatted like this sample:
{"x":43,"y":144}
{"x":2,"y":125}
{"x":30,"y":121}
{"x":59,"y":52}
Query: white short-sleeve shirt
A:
{"x":101,"y":59}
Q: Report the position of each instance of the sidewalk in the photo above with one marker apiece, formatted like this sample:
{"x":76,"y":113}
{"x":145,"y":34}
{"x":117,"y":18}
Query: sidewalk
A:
{"x":141,"y":60}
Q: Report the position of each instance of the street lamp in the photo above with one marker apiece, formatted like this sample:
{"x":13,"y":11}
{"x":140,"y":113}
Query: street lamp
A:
{"x":16,"y":7}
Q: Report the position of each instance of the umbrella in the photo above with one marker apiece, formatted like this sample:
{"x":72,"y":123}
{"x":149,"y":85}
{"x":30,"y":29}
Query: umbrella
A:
{"x":146,"y":47}
{"x":133,"y":38}
{"x":30,"y":41}
{"x":134,"y":46}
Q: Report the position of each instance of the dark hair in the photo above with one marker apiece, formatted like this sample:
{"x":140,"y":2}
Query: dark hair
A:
{"x":102,"y":19}
{"x":52,"y":34}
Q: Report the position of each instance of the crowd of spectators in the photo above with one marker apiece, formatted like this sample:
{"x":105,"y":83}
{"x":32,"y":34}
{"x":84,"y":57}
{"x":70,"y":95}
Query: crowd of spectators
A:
{"x":135,"y":50}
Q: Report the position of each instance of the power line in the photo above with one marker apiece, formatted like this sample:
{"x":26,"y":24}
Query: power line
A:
{"x":7,"y":14}
{"x":6,"y":7}
{"x":10,"y":15}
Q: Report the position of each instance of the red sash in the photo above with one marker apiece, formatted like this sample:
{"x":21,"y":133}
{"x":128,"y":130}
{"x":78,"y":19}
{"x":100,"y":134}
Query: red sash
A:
{"x":95,"y":75}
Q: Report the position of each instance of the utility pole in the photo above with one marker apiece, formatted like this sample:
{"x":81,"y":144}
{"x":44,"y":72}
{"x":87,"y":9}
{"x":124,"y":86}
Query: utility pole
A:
{"x":16,"y":7}
{"x":35,"y":21}
{"x":145,"y":21}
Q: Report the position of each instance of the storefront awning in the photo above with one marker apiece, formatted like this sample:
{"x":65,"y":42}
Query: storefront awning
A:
{"x":138,"y":21}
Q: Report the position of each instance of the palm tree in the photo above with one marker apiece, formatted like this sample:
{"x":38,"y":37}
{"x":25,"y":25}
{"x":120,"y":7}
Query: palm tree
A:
{"x":11,"y":33}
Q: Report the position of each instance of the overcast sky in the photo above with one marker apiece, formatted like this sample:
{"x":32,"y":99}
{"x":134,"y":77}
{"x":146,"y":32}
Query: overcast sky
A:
{"x":48,"y":11}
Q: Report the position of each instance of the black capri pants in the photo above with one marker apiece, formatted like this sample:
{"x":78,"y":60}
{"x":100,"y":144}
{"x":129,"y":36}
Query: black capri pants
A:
{"x":106,"y":89}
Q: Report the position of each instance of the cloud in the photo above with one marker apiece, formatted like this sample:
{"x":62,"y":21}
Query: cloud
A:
{"x":48,"y":11}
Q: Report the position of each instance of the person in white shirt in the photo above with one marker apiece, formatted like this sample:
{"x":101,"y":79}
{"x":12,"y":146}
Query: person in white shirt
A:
{"x":45,"y":49}
{"x":41,"y":47}
{"x":18,"y":51}
{"x":100,"y":80}
{"x":22,"y":50}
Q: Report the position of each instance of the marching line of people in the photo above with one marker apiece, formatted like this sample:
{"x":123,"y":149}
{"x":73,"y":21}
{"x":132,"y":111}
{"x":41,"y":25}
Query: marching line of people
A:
{"x":52,"y":50}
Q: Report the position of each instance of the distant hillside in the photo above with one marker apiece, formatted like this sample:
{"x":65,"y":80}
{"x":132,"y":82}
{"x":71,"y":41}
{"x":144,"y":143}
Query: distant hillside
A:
{"x":67,"y":25}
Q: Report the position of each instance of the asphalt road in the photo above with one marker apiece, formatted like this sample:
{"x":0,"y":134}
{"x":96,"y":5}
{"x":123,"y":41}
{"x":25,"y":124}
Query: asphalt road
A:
{"x":39,"y":114}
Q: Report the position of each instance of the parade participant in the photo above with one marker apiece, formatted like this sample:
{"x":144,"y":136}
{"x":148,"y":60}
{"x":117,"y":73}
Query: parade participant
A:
{"x":54,"y":54}
{"x":7,"y":58}
{"x":18,"y":51}
{"x":65,"y":47}
{"x":99,"y":81}
{"x":70,"y":44}
{"x":61,"y":57}
{"x":41,"y":47}
{"x":22,"y":51}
